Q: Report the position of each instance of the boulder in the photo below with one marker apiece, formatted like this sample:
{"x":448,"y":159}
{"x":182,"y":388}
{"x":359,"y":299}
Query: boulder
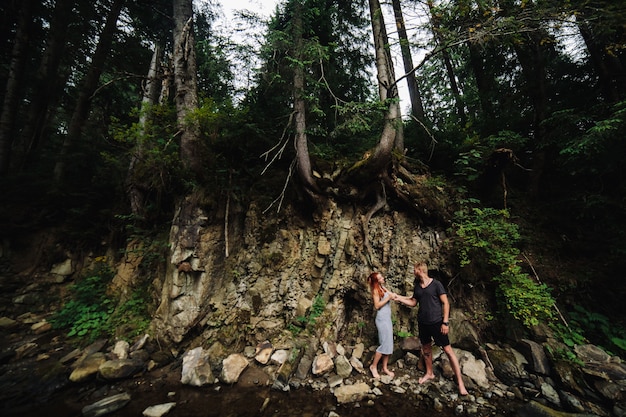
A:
{"x":351,"y":393}
{"x":232,"y":367}
{"x":106,"y":405}
{"x":196,"y":368}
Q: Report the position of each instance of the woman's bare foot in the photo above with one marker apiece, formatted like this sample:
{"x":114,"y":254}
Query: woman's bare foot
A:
{"x":425,"y":378}
{"x":388,"y":372}
{"x":463,"y":392}
{"x":374,"y":372}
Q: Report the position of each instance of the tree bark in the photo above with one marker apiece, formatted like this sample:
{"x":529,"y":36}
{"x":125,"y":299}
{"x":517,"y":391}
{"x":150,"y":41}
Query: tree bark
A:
{"x":417,"y":105}
{"x":392,"y":135}
{"x":301,"y":141}
{"x":484,"y":84}
{"x":90,"y":84}
{"x":607,"y":67}
{"x":135,"y":187}
{"x":14,"y":84}
{"x":186,"y":83}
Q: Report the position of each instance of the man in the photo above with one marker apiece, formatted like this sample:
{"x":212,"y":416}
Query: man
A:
{"x":432,"y":321}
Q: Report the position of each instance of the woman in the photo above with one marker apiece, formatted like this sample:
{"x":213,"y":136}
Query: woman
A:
{"x":382,"y":298}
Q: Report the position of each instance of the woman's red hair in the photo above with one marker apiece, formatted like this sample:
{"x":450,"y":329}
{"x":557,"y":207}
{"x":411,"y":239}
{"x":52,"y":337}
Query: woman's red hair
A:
{"x":372,"y":280}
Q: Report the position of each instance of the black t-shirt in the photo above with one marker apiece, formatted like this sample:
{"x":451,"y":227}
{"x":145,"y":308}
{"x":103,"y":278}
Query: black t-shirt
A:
{"x":430,"y":307}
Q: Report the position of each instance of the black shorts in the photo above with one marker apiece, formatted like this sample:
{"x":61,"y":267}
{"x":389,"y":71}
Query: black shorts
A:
{"x":430,"y":332}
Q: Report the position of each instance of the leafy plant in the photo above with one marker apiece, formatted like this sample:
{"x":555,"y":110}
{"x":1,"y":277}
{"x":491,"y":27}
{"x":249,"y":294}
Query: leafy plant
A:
{"x":87,"y":313}
{"x":317,"y":308}
{"x":598,"y":327}
{"x":92,"y":313}
{"x":486,"y":237}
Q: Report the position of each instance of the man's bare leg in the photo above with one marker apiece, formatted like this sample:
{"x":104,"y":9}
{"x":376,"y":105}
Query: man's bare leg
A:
{"x":427,"y":353}
{"x":454,"y":362}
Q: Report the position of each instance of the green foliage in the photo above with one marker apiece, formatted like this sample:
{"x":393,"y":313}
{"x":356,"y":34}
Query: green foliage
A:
{"x":404,"y":334}
{"x":599,"y":328}
{"x":487,"y":238}
{"x":86,"y":315}
{"x":317,"y":308}
{"x":91,"y":312}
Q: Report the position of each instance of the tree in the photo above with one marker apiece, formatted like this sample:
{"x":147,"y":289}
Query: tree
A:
{"x":14,"y":83}
{"x":186,"y":84}
{"x":437,"y":29}
{"x":417,"y":107}
{"x":47,"y":81}
{"x":391,"y":136}
{"x":89,"y":86}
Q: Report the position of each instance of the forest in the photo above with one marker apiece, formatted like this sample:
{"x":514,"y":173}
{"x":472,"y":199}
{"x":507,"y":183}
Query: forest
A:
{"x":118,"y":114}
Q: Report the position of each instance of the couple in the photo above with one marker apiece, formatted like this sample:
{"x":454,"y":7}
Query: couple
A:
{"x":432,"y":319}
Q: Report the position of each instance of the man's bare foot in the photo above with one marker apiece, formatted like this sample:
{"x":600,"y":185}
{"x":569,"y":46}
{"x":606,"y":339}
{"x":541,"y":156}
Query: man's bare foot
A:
{"x":388,"y":372}
{"x":426,"y":378}
{"x":463,"y":392}
{"x":374,"y":372}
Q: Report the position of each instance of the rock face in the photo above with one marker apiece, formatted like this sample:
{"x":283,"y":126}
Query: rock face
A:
{"x":281,"y":267}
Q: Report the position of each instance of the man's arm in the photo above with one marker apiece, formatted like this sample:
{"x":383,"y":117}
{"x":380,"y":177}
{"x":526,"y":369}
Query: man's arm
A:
{"x":445,"y":307}
{"x":407,"y":300}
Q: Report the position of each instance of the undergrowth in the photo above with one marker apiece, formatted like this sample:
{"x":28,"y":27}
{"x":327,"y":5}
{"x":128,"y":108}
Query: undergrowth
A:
{"x":486,"y":238}
{"x":92,"y":313}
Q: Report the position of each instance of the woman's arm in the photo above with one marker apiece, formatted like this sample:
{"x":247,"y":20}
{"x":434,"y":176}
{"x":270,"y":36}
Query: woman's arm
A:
{"x":406,"y":300}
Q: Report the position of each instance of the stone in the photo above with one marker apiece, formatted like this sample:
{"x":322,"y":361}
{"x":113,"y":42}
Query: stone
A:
{"x":279,"y":357}
{"x":550,"y":394}
{"x":334,"y":381}
{"x":322,"y":364}
{"x":7,"y":323}
{"x":358,"y":350}
{"x":357,"y":365}
{"x":506,"y":366}
{"x":535,"y":409}
{"x":140,"y":343}
{"x":41,"y":327}
{"x":196,"y":368}
{"x":106,"y":405}
{"x":87,"y":367}
{"x":342,"y":366}
{"x":232,"y":367}
{"x":536,"y":356}
{"x":264,"y":352}
{"x":351,"y":393}
{"x":591,"y":353}
{"x":158,"y":410}
{"x":473,"y":368}
{"x":120,"y":368}
{"x":410,"y":344}
{"x":121,"y":349}
{"x":64,"y":268}
{"x":26,"y":350}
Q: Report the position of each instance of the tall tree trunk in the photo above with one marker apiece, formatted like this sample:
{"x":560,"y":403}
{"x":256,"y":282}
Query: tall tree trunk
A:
{"x":484,"y":83}
{"x":447,"y":61}
{"x":47,"y":81}
{"x":417,"y":105}
{"x":135,"y":187}
{"x":301,"y":141}
{"x":90,"y":84}
{"x":607,"y":67}
{"x":392,"y":135}
{"x":186,"y":82}
{"x":14,"y":84}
